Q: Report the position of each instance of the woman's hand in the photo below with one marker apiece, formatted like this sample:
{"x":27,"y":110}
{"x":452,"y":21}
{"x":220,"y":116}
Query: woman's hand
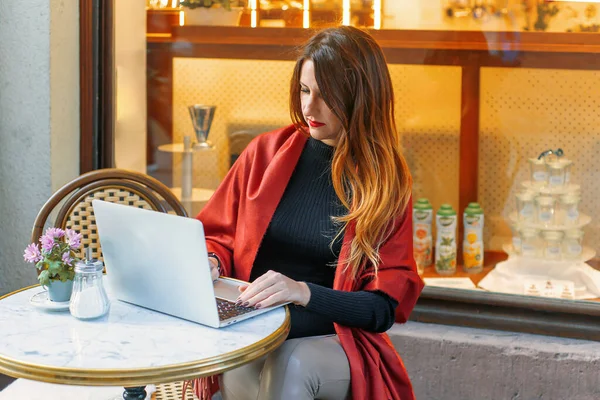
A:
{"x":214,"y":268}
{"x":273,"y":288}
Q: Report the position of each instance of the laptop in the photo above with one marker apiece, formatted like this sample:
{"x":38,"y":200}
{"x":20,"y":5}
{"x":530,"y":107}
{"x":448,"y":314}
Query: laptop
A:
{"x":159,"y":261}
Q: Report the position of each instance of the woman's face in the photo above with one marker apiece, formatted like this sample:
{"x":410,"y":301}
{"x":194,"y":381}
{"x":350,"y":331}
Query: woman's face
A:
{"x":323,"y":124}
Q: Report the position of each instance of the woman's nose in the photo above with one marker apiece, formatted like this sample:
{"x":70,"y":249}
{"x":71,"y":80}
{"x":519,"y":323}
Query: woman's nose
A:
{"x":308,"y":105}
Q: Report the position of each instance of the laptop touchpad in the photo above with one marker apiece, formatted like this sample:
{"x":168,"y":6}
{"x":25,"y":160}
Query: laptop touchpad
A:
{"x":227,"y":290}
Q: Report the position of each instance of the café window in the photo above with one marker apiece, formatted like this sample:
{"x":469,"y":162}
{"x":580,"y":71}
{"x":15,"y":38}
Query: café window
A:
{"x":497,"y":103}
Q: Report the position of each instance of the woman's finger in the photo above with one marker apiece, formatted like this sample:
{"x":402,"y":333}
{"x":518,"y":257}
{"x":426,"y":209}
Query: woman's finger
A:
{"x":262,"y":295}
{"x":271,"y":300}
{"x":257,"y":286}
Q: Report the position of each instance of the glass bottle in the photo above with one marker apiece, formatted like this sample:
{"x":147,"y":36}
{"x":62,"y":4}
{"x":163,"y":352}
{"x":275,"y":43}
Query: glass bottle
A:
{"x":473,"y":221}
{"x":445,"y":245}
{"x":89,"y":299}
{"x":422,"y":234}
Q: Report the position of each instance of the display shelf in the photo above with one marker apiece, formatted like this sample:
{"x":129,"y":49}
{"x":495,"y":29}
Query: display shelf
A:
{"x":557,"y":190}
{"x":587,"y":254}
{"x":584,"y":219}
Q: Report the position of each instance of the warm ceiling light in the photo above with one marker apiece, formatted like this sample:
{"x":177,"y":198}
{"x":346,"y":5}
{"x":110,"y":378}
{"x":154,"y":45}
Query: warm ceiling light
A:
{"x":253,"y":17}
{"x":346,"y":12}
{"x":377,"y":14}
{"x":306,"y":14}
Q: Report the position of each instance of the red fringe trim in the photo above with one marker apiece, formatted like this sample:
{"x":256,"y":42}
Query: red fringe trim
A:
{"x":202,"y":388}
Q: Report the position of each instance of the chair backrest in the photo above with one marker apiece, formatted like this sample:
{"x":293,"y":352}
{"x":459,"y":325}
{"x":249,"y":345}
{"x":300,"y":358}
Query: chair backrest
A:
{"x":237,"y":143}
{"x":111,"y":184}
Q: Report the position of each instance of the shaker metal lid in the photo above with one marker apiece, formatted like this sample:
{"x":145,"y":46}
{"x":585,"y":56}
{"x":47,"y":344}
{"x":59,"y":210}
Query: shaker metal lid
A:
{"x":88,"y":264}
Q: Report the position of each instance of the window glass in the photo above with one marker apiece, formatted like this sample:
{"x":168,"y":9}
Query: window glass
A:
{"x":490,"y":96}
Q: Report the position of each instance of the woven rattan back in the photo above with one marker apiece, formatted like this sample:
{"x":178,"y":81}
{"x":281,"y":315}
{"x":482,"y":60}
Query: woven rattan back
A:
{"x":113,"y":185}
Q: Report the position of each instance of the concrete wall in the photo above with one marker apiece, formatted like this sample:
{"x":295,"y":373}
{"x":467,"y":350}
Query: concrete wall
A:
{"x":456,"y":363}
{"x":39,"y":120}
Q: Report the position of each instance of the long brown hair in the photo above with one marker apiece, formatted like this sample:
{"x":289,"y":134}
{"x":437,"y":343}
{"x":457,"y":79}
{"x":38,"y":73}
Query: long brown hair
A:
{"x":369,"y":173}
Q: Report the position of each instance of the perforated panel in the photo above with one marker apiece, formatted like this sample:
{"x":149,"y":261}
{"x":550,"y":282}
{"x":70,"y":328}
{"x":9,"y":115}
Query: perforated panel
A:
{"x":249,"y":95}
{"x":524,"y":112}
{"x":428,"y":118}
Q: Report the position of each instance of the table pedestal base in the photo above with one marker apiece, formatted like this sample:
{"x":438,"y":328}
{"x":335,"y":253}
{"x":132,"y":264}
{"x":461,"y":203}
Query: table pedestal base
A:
{"x":135,"y":393}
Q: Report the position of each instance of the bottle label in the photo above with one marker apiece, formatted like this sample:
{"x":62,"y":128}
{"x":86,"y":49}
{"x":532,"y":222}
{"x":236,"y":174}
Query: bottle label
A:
{"x":556,"y":180}
{"x":574,"y":249}
{"x":545,"y":216}
{"x":572,"y":215}
{"x":528,"y":250}
{"x":540,"y":176}
{"x":553,"y":251}
{"x":527,"y":211}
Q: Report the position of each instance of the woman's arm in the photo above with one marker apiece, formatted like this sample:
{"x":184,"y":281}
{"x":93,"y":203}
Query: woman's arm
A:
{"x":372,"y":311}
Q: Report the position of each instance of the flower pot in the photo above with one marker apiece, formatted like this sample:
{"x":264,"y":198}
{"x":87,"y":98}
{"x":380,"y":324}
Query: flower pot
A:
{"x":213,"y":16}
{"x":60,"y":291}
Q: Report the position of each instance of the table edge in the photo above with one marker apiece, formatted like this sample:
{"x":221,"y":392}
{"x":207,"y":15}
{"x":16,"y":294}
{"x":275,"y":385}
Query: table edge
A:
{"x":143,"y":376}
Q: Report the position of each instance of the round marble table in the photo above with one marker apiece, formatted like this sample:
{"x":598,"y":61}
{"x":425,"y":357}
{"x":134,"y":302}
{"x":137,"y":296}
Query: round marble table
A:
{"x":131,"y":346}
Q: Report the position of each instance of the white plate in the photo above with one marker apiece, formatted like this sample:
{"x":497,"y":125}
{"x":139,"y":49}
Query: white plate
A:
{"x":583,"y":221}
{"x":587,"y":253}
{"x":41,"y":300}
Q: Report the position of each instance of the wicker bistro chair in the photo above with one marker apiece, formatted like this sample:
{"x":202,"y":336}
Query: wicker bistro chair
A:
{"x":112,"y":184}
{"x":117,"y":186}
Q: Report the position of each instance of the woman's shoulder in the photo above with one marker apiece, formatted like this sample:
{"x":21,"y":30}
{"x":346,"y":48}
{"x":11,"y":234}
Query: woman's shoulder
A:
{"x":269,"y":143}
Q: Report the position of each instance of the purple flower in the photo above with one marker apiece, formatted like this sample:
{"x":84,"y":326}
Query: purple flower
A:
{"x":73,"y":239}
{"x":47,"y":243}
{"x":32,"y":253}
{"x":66,"y":258}
{"x":55,"y":233}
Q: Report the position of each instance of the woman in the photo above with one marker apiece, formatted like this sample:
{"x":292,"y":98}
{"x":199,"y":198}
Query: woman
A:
{"x":318,"y":214}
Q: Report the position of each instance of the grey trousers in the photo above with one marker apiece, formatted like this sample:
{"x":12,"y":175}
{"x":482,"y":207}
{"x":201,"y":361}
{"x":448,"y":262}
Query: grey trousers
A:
{"x":300,"y":369}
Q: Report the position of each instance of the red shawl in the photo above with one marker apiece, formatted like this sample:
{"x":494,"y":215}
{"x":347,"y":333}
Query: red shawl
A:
{"x":236,"y":219}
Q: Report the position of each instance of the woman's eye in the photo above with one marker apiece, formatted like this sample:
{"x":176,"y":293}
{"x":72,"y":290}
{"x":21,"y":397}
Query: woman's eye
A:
{"x":304,"y":90}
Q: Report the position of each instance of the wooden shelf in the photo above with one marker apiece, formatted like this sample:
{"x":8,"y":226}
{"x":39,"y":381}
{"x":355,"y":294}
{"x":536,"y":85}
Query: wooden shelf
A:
{"x":546,"y":42}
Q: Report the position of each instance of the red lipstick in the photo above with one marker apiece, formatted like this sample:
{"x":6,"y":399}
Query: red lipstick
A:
{"x":315,"y":124}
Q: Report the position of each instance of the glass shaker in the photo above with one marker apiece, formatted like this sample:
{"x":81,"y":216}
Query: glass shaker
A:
{"x":552,"y":244}
{"x":525,"y":206}
{"x":89,"y":299}
{"x":529,"y":242}
{"x":539,"y":173}
{"x":557,"y":173}
{"x":572,"y":244}
{"x":569,"y":204}
{"x":545,"y":210}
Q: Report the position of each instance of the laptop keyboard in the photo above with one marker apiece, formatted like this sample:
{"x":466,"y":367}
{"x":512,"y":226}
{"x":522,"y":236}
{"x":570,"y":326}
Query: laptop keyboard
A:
{"x":228,"y":309}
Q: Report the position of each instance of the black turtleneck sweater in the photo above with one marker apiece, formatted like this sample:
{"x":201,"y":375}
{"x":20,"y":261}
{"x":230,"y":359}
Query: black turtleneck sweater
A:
{"x":298,"y":244}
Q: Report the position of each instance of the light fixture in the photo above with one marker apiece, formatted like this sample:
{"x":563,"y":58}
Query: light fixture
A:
{"x":306,"y":14}
{"x":181,"y":18}
{"x":253,"y":16}
{"x":376,"y":14}
{"x":346,"y":12}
